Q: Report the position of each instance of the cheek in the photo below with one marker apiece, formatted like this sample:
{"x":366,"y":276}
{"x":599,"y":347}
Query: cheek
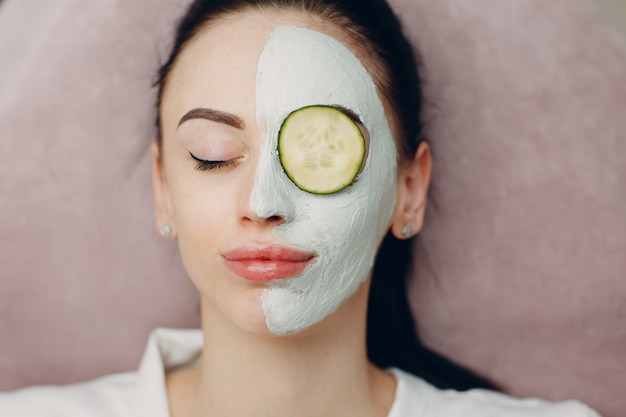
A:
{"x":203,"y":220}
{"x":202,"y":205}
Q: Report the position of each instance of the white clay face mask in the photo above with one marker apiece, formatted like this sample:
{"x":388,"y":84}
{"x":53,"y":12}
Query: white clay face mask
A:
{"x":298,"y":68}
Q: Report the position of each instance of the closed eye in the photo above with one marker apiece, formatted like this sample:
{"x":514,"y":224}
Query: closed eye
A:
{"x":204,"y":165}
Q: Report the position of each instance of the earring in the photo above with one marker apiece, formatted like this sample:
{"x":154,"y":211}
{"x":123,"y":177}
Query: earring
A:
{"x":407,"y":231}
{"x":166,"y":231}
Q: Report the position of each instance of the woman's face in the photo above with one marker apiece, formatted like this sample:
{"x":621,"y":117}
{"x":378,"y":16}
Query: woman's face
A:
{"x":263,"y":253}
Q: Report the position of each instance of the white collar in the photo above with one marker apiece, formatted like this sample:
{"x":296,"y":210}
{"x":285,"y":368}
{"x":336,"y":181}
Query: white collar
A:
{"x":166,"y":349}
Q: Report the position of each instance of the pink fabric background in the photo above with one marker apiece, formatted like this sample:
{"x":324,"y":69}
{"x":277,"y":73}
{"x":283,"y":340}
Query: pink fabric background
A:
{"x":84,"y":276}
{"x":520,"y":270}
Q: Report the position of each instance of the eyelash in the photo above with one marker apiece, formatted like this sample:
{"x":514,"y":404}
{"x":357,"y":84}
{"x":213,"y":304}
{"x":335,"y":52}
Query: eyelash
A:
{"x":204,"y":165}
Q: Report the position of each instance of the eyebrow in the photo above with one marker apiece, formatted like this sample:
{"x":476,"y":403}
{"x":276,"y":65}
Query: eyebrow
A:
{"x":214,"y":116}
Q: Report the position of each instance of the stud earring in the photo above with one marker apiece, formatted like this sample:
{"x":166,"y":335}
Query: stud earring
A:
{"x":166,"y":231}
{"x":407,"y":231}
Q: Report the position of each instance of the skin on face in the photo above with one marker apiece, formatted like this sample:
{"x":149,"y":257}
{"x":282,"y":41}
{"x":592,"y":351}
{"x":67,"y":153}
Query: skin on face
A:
{"x":252,"y":83}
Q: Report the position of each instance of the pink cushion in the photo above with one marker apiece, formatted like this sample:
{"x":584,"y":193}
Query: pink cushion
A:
{"x":519,"y":270}
{"x":84,"y":275}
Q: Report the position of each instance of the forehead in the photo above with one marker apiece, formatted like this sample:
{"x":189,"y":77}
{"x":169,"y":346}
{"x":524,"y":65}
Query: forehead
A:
{"x":301,"y":67}
{"x":219,"y":65}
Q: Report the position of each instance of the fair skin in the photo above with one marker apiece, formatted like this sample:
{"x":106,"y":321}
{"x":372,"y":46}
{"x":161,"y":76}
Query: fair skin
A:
{"x":245,"y":370}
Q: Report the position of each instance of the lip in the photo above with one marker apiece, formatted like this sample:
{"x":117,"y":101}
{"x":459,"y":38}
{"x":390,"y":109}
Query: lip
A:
{"x":267,"y":262}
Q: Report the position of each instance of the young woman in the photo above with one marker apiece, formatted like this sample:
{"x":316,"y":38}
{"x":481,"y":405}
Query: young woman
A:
{"x":289,"y":148}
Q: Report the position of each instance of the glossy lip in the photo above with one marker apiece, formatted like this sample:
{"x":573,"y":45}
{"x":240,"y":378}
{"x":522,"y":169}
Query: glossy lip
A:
{"x":267,"y":262}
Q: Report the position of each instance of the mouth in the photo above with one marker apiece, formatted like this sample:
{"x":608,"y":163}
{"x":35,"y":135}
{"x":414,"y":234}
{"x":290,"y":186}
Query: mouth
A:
{"x":267,"y":262}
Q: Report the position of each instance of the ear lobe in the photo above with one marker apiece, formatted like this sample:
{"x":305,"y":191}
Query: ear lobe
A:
{"x":413,"y":182}
{"x":162,"y":204}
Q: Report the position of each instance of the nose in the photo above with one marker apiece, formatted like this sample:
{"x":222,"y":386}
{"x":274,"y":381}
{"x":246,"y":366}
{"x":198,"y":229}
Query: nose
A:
{"x":271,"y":199}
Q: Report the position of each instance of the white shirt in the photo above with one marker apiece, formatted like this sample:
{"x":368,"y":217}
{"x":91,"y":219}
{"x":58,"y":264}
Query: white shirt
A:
{"x":143,"y":393}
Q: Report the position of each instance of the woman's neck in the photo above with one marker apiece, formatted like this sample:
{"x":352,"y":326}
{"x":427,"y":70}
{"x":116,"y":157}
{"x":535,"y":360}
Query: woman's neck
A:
{"x":321,"y":371}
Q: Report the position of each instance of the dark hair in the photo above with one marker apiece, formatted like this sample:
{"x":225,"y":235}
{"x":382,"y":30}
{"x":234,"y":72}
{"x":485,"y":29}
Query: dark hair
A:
{"x":371,"y":24}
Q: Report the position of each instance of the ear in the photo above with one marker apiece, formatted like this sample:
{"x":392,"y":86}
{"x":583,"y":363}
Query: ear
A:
{"x":413,"y":181}
{"x":162,"y":201}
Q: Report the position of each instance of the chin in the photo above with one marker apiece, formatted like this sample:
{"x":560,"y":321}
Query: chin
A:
{"x":245,"y":312}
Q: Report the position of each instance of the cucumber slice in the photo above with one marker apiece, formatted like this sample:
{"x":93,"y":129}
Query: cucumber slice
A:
{"x":321,"y":149}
